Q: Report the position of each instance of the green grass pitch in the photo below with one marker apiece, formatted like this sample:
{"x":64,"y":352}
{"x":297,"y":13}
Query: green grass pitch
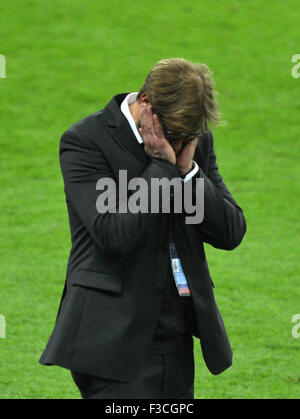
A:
{"x":66,"y":60}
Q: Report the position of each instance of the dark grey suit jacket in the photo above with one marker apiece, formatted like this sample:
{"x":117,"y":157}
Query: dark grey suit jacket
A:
{"x":112,"y":296}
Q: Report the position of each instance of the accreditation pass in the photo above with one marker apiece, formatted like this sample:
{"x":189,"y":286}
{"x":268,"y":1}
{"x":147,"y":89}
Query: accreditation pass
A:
{"x":179,"y":276}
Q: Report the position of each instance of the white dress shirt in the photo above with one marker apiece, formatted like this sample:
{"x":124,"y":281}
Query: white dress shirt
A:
{"x":129,"y":100}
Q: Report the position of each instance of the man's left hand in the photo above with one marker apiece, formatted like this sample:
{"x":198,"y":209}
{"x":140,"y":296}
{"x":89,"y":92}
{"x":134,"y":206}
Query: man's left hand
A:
{"x":184,"y":158}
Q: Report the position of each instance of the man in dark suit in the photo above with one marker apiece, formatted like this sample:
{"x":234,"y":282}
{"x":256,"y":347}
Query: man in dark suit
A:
{"x":138,"y":286}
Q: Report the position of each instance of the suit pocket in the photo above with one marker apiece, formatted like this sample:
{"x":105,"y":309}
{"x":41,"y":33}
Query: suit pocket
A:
{"x":97,"y":281}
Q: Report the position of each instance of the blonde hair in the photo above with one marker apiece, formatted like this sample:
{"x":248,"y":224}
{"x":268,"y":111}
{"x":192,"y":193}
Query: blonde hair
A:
{"x":182,"y":94}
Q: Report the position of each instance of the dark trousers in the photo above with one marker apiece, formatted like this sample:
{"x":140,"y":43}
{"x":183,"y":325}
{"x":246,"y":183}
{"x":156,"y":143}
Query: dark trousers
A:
{"x":164,"y":376}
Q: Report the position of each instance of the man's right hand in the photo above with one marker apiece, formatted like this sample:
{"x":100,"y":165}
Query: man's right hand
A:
{"x":156,"y":145}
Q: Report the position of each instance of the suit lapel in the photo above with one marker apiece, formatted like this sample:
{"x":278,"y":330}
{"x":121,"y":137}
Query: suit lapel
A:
{"x":121,"y":131}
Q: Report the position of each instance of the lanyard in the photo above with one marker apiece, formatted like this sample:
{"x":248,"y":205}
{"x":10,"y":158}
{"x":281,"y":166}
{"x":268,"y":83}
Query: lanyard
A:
{"x":178,"y":274}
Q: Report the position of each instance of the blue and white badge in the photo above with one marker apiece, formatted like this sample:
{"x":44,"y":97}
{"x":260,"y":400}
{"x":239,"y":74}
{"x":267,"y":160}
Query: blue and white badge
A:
{"x":179,"y":276}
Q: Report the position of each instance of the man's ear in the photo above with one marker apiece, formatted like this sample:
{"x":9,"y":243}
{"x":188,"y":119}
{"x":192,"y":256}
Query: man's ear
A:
{"x":144,"y":99}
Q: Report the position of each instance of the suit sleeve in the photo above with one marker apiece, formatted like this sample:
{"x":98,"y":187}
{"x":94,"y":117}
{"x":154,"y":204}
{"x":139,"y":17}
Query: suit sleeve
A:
{"x":224,"y":224}
{"x":83,"y":165}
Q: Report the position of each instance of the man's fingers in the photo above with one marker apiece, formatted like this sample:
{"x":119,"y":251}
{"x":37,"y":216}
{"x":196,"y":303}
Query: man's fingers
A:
{"x":157,"y":126}
{"x":185,"y":156}
{"x":150,"y":122}
{"x":148,"y":117}
{"x":191,"y":145}
{"x":151,"y":129}
{"x":144,"y":113}
{"x":143,"y":116}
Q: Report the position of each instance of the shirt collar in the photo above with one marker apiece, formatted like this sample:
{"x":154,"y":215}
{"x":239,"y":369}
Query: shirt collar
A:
{"x":129,"y":100}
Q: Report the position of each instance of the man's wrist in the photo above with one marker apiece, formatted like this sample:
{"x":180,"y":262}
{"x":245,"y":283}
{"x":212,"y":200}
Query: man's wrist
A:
{"x":192,"y":173}
{"x":188,"y":169}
